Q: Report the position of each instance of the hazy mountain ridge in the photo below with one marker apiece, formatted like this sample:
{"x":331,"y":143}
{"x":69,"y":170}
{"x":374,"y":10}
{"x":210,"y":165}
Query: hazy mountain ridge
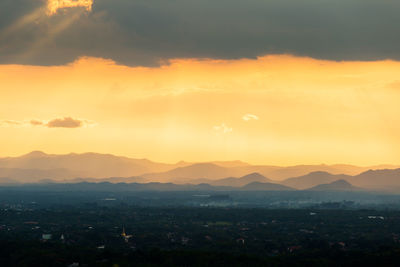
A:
{"x":382,"y":180}
{"x":387,"y":180}
{"x":338,"y":185}
{"x":234,"y":181}
{"x":313,"y":179}
{"x":93,"y":167}
{"x":214,"y":171}
{"x":194,"y":171}
{"x":377,"y":179}
{"x":87,"y":165}
{"x":33,"y":175}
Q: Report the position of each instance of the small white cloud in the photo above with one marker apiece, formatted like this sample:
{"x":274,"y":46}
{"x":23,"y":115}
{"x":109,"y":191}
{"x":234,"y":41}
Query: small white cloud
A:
{"x":223,"y":128}
{"x":249,"y":117}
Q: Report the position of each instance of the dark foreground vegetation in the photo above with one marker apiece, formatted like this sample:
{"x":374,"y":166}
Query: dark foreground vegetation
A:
{"x":94,"y":230}
{"x":39,"y":254}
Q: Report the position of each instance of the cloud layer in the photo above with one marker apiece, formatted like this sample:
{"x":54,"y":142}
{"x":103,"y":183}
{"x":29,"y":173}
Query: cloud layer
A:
{"x":142,"y":32}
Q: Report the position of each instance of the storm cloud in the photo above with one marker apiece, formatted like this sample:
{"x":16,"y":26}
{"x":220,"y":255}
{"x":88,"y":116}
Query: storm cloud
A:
{"x":150,"y":32}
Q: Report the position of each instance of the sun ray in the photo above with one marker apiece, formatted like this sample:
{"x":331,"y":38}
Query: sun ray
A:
{"x":55,"y":30}
{"x":22,"y":22}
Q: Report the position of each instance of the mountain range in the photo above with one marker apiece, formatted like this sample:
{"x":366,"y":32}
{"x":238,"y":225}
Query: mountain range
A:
{"x":96,"y":168}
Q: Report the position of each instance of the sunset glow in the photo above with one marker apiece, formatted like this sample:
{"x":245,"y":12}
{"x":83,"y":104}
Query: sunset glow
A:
{"x":278,"y":109}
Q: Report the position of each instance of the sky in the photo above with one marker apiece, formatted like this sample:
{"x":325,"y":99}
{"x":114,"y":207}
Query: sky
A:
{"x":267,"y":82}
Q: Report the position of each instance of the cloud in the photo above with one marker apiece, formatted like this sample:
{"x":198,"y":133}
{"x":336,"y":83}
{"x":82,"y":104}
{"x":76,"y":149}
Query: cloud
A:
{"x":249,"y":117}
{"x":223,"y":128}
{"x":11,"y":123}
{"x":54,"y":5}
{"x":36,"y":123}
{"x":145,"y":33}
{"x":66,"y":122}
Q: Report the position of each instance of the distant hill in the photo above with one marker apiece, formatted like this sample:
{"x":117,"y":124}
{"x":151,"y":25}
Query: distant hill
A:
{"x":280,"y":173}
{"x":217,"y":170}
{"x":339,"y":185}
{"x":313,"y":179}
{"x":38,"y":165}
{"x":387,"y":179}
{"x":195,"y":171}
{"x":34,"y":175}
{"x":257,"y":186}
{"x":94,"y":165}
{"x":378,"y":179}
{"x":233,"y":181}
{"x":230,"y":164}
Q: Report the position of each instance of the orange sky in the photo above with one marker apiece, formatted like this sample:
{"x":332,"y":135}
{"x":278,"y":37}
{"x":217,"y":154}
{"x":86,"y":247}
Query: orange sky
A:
{"x":297,"y":110}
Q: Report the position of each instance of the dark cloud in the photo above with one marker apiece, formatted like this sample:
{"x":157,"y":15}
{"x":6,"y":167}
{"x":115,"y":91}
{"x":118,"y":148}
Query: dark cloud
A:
{"x":66,"y":122}
{"x":143,"y":32}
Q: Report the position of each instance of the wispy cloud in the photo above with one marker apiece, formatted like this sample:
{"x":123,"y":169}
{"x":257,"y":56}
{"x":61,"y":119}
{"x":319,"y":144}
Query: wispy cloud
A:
{"x":66,"y":122}
{"x":223,"y":128}
{"x":36,"y":122}
{"x":249,"y":117}
{"x":11,"y":123}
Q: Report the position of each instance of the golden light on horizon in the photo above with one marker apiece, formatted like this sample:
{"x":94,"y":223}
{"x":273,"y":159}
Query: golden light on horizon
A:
{"x":277,"y":109}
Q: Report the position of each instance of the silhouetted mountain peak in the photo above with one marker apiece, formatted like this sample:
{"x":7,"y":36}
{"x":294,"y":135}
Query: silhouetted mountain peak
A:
{"x":35,"y":154}
{"x":313,"y":179}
